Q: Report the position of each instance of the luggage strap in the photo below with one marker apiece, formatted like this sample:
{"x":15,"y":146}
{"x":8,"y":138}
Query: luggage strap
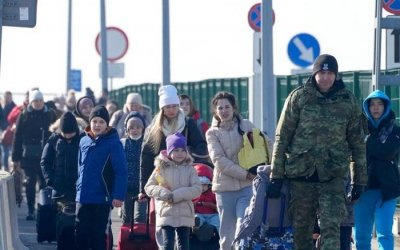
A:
{"x":273,"y":231}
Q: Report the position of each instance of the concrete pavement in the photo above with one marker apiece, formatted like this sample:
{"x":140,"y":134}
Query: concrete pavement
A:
{"x":27,"y":231}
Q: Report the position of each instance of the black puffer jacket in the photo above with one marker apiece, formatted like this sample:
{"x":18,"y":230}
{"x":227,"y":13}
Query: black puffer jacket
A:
{"x":382,"y":157}
{"x":59,"y":164}
{"x":31,"y":135}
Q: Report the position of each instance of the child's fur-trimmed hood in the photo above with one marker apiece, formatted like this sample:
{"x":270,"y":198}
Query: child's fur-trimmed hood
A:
{"x":163,"y":161}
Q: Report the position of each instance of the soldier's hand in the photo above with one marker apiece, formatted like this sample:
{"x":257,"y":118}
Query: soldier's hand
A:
{"x":274,"y":188}
{"x":356,"y":191}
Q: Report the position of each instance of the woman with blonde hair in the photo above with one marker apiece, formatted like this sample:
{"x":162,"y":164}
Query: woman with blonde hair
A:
{"x":169,"y":120}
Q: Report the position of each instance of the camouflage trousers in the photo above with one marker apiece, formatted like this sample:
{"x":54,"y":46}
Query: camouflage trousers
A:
{"x":306,"y":200}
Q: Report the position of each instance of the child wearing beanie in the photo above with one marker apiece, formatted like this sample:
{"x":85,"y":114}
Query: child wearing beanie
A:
{"x":59,"y":165}
{"x":173,"y":184}
{"x":132,"y":143}
{"x":102,"y":180}
{"x":133,"y":102}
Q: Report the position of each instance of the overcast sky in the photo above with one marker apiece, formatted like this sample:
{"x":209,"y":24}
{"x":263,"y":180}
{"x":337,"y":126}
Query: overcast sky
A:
{"x":209,"y":39}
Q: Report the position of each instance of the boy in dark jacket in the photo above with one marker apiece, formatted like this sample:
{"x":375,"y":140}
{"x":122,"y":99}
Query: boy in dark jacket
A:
{"x":102,"y":180}
{"x":60,"y":170}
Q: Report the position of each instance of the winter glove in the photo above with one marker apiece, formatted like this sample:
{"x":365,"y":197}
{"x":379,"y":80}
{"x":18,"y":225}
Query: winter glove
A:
{"x":274,"y":189}
{"x":356,"y":191}
{"x":165,"y":194}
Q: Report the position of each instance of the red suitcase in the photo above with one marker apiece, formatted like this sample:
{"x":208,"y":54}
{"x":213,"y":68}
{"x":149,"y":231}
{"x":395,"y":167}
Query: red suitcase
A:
{"x":139,"y":236}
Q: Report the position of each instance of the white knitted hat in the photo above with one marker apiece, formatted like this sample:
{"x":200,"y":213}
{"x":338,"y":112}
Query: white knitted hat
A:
{"x":168,"y":95}
{"x":134,"y":98}
{"x":35,"y":95}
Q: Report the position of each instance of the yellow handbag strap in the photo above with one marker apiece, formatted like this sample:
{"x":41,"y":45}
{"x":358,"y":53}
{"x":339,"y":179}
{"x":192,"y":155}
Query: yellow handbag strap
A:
{"x":257,"y":142}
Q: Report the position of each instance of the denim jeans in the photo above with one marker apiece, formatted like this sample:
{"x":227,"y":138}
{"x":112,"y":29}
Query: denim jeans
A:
{"x":211,"y":219}
{"x":168,"y":234}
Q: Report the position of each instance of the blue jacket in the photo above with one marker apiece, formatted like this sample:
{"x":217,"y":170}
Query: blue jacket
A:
{"x":102,"y":170}
{"x":383,"y":149}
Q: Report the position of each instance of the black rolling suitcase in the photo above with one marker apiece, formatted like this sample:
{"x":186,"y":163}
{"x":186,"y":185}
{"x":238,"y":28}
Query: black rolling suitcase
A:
{"x":46,"y":216}
{"x":66,"y":226}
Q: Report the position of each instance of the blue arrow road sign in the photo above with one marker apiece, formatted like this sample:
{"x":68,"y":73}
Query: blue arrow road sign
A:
{"x":303,"y":49}
{"x":392,"y":6}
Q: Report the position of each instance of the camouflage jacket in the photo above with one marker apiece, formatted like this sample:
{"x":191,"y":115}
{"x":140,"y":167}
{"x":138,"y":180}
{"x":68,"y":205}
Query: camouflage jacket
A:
{"x":320,"y":132}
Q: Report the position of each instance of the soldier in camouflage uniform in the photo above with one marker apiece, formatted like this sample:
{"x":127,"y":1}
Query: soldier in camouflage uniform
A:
{"x":318,"y":134}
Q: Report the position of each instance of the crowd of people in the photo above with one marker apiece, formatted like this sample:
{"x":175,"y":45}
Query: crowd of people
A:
{"x":336,"y":156}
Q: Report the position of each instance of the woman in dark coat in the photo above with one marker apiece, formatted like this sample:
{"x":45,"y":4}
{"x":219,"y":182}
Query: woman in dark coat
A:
{"x":59,"y":164}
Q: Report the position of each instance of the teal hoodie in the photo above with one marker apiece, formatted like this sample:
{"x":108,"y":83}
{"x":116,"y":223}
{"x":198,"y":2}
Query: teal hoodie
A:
{"x":381,"y":95}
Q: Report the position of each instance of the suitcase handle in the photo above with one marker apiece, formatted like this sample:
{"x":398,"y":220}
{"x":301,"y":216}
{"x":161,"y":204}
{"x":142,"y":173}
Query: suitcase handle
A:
{"x":134,"y":199}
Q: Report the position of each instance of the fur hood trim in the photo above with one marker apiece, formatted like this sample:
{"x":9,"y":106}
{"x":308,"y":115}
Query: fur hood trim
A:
{"x":55,"y":127}
{"x":163,"y":161}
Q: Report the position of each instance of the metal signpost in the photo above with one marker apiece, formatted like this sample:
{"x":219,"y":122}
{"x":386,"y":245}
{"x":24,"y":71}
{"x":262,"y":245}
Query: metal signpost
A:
{"x":303,"y":49}
{"x":267,"y":70}
{"x":262,"y":87}
{"x":69,"y":45}
{"x":255,"y":88}
{"x":389,"y":22}
{"x":104,"y":47}
{"x":166,"y":67}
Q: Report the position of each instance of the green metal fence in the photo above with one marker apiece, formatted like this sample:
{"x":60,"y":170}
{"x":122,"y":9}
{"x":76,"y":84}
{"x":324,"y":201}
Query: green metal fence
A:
{"x":203,"y":91}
